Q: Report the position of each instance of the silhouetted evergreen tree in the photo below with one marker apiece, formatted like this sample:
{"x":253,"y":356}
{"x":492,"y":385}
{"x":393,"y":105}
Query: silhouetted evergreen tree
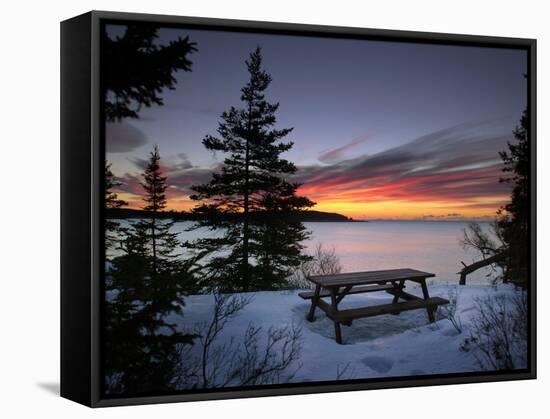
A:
{"x":510,"y":250}
{"x":139,"y":69}
{"x":146,"y":284}
{"x":278,"y":236}
{"x":111,"y":202}
{"x":235,"y":198}
{"x":513,"y":222}
{"x":163,"y":242}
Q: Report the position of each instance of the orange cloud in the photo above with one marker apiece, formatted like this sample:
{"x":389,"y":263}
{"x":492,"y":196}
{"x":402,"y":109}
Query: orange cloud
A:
{"x":467,"y":193}
{"x":452,"y":173}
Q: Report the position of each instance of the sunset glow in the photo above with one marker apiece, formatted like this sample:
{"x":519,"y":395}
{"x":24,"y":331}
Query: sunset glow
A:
{"x":403,"y":209}
{"x":393,"y":200}
{"x":371,"y":141}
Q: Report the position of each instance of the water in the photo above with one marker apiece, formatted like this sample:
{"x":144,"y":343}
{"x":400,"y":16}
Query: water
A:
{"x":430,"y":246}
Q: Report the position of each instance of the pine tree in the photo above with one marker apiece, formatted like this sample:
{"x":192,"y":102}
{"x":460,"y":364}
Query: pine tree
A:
{"x":513,"y":222}
{"x":510,"y":250}
{"x":278,"y":236}
{"x":145,"y":285}
{"x":139,"y":69}
{"x":252,"y":168}
{"x":145,"y":282}
{"x":111,"y":201}
{"x":163,"y":242}
{"x":158,"y":244}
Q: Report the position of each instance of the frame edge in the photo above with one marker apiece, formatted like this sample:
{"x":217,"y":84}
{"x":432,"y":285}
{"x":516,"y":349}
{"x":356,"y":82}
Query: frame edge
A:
{"x":76,"y":246}
{"x":299,"y":29}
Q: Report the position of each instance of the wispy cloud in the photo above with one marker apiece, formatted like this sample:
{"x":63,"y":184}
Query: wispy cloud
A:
{"x":122,"y":137}
{"x":337,"y":154}
{"x":184,"y":163}
{"x":459,"y":164}
{"x":451,"y":173}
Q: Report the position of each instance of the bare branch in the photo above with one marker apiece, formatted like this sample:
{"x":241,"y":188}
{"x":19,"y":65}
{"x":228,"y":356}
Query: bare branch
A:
{"x":248,"y":362}
{"x":498,"y":335}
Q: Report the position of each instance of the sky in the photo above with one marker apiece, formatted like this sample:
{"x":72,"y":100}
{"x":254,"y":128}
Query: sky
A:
{"x":382,"y":130}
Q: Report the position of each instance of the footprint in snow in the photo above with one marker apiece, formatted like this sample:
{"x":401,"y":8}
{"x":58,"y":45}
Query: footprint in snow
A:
{"x":378,"y":363}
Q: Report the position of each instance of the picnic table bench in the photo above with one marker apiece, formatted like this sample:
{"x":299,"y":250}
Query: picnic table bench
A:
{"x":392,"y":281}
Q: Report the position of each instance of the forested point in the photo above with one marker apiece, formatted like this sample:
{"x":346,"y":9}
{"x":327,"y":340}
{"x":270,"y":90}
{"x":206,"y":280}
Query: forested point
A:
{"x":304,"y":216}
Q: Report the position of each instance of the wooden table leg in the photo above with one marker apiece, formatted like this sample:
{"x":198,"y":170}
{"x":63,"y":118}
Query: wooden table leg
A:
{"x":314,"y":301}
{"x":342,"y":293}
{"x":426,"y":295}
{"x":397,"y":288}
{"x":334,"y":304}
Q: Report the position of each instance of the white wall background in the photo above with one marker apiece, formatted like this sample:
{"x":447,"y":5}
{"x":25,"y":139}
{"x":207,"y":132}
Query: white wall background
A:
{"x":29,"y":222}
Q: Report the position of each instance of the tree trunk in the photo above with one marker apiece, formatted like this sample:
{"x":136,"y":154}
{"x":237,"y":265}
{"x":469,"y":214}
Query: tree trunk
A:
{"x":154,"y":239}
{"x":468,"y":269}
{"x":245,"y":273}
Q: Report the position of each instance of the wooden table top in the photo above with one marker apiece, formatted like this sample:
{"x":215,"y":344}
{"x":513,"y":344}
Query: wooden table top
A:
{"x":369,"y":277}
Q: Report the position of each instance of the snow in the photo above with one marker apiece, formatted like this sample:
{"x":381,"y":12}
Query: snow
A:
{"x":382,"y":346}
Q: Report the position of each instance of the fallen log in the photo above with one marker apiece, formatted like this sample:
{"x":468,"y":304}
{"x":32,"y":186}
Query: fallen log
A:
{"x":468,"y":269}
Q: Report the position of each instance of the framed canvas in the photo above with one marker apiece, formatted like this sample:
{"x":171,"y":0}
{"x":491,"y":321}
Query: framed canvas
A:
{"x":254,"y":209}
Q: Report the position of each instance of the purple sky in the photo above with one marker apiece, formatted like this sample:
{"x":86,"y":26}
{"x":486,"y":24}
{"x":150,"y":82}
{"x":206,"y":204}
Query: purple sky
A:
{"x":349,"y":101}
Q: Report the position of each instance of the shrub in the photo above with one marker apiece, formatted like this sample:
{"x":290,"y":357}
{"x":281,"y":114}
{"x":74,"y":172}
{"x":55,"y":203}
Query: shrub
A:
{"x":323,"y":262}
{"x":448,"y":311}
{"x":498,"y":333}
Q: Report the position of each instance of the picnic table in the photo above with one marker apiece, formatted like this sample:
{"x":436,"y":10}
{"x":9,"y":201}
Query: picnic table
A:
{"x":392,"y":281}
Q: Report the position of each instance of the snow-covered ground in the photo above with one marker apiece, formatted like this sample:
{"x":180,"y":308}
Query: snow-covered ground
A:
{"x":381,"y":346}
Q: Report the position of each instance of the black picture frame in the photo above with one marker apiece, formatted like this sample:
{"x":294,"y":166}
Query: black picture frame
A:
{"x":82,"y":164}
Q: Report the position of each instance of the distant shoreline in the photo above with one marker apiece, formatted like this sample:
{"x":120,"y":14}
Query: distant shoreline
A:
{"x":309,"y":216}
{"x":304,"y":216}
